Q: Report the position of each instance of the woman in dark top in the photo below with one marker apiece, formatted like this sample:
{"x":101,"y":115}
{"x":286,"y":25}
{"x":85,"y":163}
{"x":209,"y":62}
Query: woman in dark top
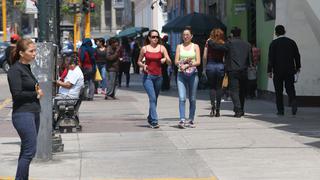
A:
{"x":214,"y":68}
{"x":101,"y":53}
{"x":26,"y":93}
{"x":125,"y":61}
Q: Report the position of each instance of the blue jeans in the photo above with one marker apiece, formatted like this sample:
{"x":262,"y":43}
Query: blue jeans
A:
{"x":215,"y":74}
{"x":27,"y":126}
{"x":152,"y":85}
{"x":103,"y":72}
{"x":189,"y":82}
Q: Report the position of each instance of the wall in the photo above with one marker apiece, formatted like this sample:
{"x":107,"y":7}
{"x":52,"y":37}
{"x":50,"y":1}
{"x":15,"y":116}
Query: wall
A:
{"x":265,"y":31}
{"x":238,"y":19}
{"x":143,"y":13}
{"x":147,"y":17}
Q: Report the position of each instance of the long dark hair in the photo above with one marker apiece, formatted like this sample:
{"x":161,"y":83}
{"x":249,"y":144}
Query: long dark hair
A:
{"x":147,"y":41}
{"x":22,"y":46}
{"x":125,"y":44}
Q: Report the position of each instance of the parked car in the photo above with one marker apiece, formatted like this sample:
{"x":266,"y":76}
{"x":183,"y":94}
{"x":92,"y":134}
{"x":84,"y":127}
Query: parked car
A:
{"x":3,"y":63}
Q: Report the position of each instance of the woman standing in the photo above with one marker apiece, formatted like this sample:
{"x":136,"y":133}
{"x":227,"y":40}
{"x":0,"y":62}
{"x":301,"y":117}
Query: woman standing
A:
{"x":155,"y":54}
{"x":187,"y":59}
{"x":101,"y":53}
{"x":125,"y":61}
{"x":26,"y":93}
{"x":214,"y":68}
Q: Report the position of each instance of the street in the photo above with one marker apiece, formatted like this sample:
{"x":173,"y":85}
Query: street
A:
{"x":116,"y":143}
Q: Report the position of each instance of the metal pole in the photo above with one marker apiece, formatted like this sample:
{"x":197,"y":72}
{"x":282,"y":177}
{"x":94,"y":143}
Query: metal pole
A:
{"x":43,"y":69}
{"x":75,"y":30}
{"x":58,"y":19}
{"x":4,"y":19}
{"x":43,"y":20}
{"x":87,"y":26}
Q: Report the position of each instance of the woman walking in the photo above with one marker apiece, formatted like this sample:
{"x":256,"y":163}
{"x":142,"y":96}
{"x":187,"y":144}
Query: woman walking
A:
{"x":187,"y":59}
{"x":155,"y":54}
{"x":125,"y":61}
{"x":26,"y":93}
{"x":214,"y":68}
{"x":101,"y":53}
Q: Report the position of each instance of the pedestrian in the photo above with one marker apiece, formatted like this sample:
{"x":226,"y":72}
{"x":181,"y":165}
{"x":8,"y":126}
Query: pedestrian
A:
{"x":155,"y":54}
{"x":237,"y":61}
{"x":252,"y":71}
{"x":135,"y":56}
{"x":26,"y":92}
{"x":10,"y":49}
{"x":284,"y":64}
{"x":125,"y":61}
{"x":101,"y":54}
{"x":187,"y":59}
{"x":88,"y":65}
{"x":165,"y":74}
{"x":213,"y":68}
{"x":252,"y":81}
{"x":113,"y":60}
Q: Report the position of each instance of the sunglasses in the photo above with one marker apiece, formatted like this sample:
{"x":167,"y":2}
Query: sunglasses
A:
{"x":154,"y":37}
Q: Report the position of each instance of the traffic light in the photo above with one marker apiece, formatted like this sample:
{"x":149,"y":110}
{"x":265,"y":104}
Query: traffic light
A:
{"x":77,"y":8}
{"x":86,"y":6}
{"x":17,"y":2}
{"x":92,"y":7}
{"x":74,"y":8}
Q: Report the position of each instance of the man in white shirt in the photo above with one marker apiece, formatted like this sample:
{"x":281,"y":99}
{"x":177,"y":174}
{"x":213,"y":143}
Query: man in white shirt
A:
{"x":73,"y":83}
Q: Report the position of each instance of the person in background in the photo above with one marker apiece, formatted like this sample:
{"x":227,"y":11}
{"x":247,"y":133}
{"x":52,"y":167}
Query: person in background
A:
{"x":213,"y":67}
{"x":125,"y":61}
{"x":101,"y":54}
{"x":87,"y":62}
{"x":187,"y":59}
{"x":26,"y":93}
{"x":252,"y":81}
{"x":72,"y":84}
{"x":10,"y":49}
{"x":238,"y":59}
{"x":284,"y":63}
{"x":113,"y":60}
{"x":155,"y":55}
{"x":166,"y":79}
{"x":135,"y":56}
{"x":252,"y":71}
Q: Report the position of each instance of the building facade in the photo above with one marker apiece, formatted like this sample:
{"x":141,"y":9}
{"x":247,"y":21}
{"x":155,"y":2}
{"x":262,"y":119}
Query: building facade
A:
{"x":150,"y":13}
{"x":117,"y":14}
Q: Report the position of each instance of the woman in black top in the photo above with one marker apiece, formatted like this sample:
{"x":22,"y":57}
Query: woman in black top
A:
{"x":125,"y":61}
{"x":213,"y":68}
{"x":101,"y":53}
{"x":26,"y":93}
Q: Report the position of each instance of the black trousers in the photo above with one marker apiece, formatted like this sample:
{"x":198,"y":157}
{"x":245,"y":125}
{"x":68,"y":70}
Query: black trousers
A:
{"x":288,"y":81}
{"x":166,"y":79}
{"x":237,"y":88}
{"x":124,"y":69}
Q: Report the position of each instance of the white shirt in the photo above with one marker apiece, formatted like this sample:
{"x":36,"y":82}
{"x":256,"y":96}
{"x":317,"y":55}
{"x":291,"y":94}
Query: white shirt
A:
{"x":75,"y":77}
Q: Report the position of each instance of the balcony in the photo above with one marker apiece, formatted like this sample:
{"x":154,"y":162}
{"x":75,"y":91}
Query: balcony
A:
{"x":118,"y":4}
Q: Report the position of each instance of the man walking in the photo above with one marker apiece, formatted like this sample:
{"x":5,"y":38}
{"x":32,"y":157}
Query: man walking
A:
{"x":284,"y":63}
{"x":113,"y":61}
{"x":237,"y":61}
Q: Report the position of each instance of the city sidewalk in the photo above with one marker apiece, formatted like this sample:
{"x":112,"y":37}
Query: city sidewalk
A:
{"x":116,"y":143}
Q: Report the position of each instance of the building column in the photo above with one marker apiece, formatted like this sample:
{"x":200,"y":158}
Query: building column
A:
{"x":103,"y":26}
{"x":113,"y":19}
